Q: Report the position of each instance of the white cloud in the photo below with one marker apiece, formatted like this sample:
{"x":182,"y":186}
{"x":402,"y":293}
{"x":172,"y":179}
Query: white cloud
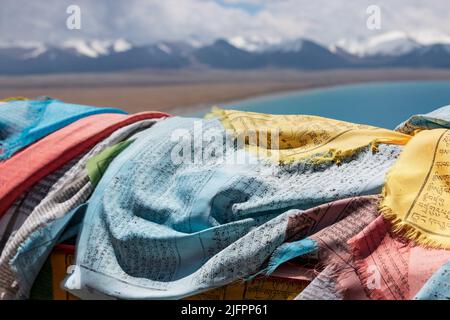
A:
{"x":143,"y":21}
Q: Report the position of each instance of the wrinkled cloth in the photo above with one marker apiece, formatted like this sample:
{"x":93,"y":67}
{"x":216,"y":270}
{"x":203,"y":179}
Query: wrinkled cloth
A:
{"x":323,"y":287}
{"x":19,"y":173}
{"x":438,"y":286}
{"x":24,"y":122}
{"x":360,"y":259}
{"x":156,"y":227}
{"x":439,"y":118}
{"x":401,"y":266}
{"x":22,"y":207}
{"x":416,"y":196}
{"x":341,"y":220}
{"x":372,"y":264}
{"x":29,"y":246}
{"x":288,"y":138}
{"x":390,"y":267}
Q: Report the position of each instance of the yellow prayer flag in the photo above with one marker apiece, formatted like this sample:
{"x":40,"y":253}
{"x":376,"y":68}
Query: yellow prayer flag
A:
{"x":416,"y":196}
{"x":289,"y":138}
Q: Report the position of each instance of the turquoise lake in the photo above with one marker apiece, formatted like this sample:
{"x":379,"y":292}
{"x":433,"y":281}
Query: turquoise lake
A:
{"x":383,"y":104}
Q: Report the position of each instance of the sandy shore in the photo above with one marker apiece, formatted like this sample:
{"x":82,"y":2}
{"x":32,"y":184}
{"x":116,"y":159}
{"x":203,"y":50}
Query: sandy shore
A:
{"x":188,"y":90}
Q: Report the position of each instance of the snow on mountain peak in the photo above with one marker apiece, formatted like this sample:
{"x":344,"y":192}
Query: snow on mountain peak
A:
{"x":393,"y":43}
{"x":100,"y":47}
{"x":253,"y":44}
{"x":121,"y":45}
{"x":96,"y":48}
{"x":32,"y":49}
{"x":37,"y":51}
{"x":164,"y":48}
{"x":81,"y":47}
{"x":430,"y":37}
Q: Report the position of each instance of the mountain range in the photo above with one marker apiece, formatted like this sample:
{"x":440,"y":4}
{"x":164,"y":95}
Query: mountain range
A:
{"x":393,"y":49}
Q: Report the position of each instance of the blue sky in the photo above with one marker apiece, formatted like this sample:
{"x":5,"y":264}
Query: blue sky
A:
{"x":144,"y":21}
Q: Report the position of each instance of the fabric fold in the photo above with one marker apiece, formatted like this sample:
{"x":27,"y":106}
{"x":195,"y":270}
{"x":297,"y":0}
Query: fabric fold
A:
{"x":290,"y":138}
{"x":177,"y":214}
{"x":182,"y":206}
{"x":437,"y":119}
{"x":390,"y":267}
{"x":30,"y":242}
{"x":19,"y":173}
{"x":341,"y":220}
{"x":23,"y":122}
{"x":416,"y":197}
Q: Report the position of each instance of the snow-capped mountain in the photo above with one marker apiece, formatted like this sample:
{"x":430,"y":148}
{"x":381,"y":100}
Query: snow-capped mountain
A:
{"x":78,"y":55}
{"x":87,"y":48}
{"x":393,"y":43}
{"x":288,"y":46}
{"x":431,"y":37}
{"x":258,"y":44}
{"x":393,"y":49}
{"x":254,"y":44}
{"x":390,"y":44}
{"x":96,"y":48}
{"x":22,"y":49}
{"x":298,"y":54}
